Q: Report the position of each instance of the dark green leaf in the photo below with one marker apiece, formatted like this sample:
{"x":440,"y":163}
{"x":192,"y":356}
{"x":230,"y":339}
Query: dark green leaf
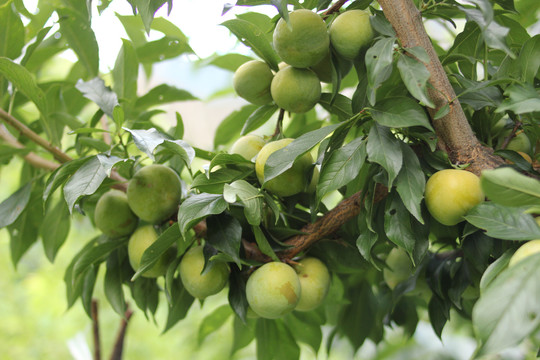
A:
{"x":397,"y":224}
{"x":522,"y":98}
{"x":237,"y":295}
{"x":411,"y":182}
{"x":148,"y":140}
{"x":214,"y":182}
{"x":93,"y":256}
{"x":400,"y":112}
{"x":55,"y":229}
{"x":529,"y":59}
{"x":60,"y":175}
{"x":158,"y":248}
{"x":502,"y":222}
{"x":250,"y":197}
{"x":197,"y":207}
{"x":282,"y":160}
{"x":340,"y":105}
{"x":384,"y":149}
{"x":263,"y":244}
{"x":113,"y":284}
{"x":379,"y":59}
{"x":182,"y":301}
{"x":14,"y":205}
{"x":415,"y":76}
{"x":224,"y":233}
{"x":508,"y":311}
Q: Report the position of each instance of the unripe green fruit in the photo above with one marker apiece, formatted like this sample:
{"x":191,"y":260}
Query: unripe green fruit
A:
{"x":296,"y":90}
{"x":350,"y":32}
{"x":524,"y":251}
{"x":399,"y":269}
{"x":154,"y":193}
{"x":252,"y":80}
{"x":451,"y":193}
{"x":248,"y":146}
{"x":273,"y":290}
{"x":200,"y":286}
{"x":520,"y":143}
{"x":314,"y":282}
{"x":113,"y":216}
{"x":304,"y":41}
{"x":292,"y":181}
{"x":139,"y":241}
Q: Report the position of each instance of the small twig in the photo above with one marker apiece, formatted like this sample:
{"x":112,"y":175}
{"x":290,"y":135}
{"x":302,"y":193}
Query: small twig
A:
{"x":279,"y":123}
{"x":510,"y":136}
{"x":334,"y":8}
{"x":95,"y":328}
{"x":27,"y":132}
{"x":106,"y":136}
{"x":119,"y":344}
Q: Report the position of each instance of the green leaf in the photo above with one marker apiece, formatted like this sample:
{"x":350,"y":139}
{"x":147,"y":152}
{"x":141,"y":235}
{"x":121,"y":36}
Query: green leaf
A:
{"x":253,"y":37}
{"x":85,"y":181}
{"x":147,"y":9}
{"x":55,"y":229}
{"x":507,"y":310}
{"x":275,"y":341}
{"x":237,"y":296}
{"x":522,"y":98}
{"x":163,"y":94}
{"x":148,"y":140}
{"x":126,"y":72}
{"x":214,"y":182}
{"x":494,"y":269}
{"x":384,"y":149}
{"x":81,"y":38}
{"x":502,"y":222}
{"x":379,"y":59}
{"x":415,"y":76}
{"x":308,"y":333}
{"x":508,"y":187}
{"x":339,"y":105}
{"x":529,"y":59}
{"x":357,"y":319}
{"x":258,"y":118}
{"x":398,"y":224}
{"x":93,"y":256}
{"x":213,"y":321}
{"x":229,"y":159}
{"x":159,"y":50}
{"x":24,"y":81}
{"x":60,"y":175}
{"x":157,"y":249}
{"x":400,"y":112}
{"x":113,"y":284}
{"x":182,"y":301}
{"x":263,"y":244}
{"x":230,"y":127}
{"x":11,"y":32}
{"x":229,"y":61}
{"x":411,"y":182}
{"x":197,"y":207}
{"x":250,"y":197}
{"x":243,"y":334}
{"x":281,"y":160}
{"x":224,"y":233}
{"x":342,"y":167}
{"x":14,"y":205}
{"x":96,"y":91}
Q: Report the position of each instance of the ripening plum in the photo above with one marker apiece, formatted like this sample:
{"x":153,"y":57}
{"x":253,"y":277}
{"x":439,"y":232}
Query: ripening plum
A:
{"x":314,"y":282}
{"x":350,"y":32}
{"x":154,"y":193}
{"x":248,"y":146}
{"x":273,"y":290}
{"x":524,"y":251}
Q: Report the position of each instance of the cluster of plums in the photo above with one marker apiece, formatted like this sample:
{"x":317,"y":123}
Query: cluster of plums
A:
{"x":304,"y":45}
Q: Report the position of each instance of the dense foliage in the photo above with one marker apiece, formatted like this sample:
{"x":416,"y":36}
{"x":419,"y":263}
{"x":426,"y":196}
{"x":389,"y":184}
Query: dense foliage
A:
{"x":362,"y":155}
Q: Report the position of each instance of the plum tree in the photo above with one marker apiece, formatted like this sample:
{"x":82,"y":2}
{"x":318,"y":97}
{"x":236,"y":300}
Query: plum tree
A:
{"x":113,"y":216}
{"x":248,"y":146}
{"x":273,"y":290}
{"x":303,"y":41}
{"x":529,"y":248}
{"x":351,"y":32}
{"x":154,"y":193}
{"x":293,"y":180}
{"x":252,"y":80}
{"x":139,"y":241}
{"x":450,"y":193}
{"x":201,"y":284}
{"x":295,"y":90}
{"x":314,"y":283}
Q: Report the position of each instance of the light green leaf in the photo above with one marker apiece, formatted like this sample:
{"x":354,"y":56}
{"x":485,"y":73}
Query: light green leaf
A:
{"x":275,"y":341}
{"x":263,"y":244}
{"x":55,"y":228}
{"x":508,"y":187}
{"x":213,"y":321}
{"x":258,"y":118}
{"x":163,"y":94}
{"x":13,"y":206}
{"x":250,"y":197}
{"x":159,"y":247}
{"x":113,"y":284}
{"x":11,"y":32}
{"x":522,"y":98}
{"x":126,"y":72}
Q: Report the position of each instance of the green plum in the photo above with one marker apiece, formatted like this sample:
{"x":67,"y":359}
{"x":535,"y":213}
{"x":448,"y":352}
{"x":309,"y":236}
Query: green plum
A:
{"x":350,"y":32}
{"x":113,"y":216}
{"x":524,"y":251}
{"x":314,"y":282}
{"x":252,"y":80}
{"x":296,"y":90}
{"x":248,"y":146}
{"x":139,"y":241}
{"x":154,"y":193}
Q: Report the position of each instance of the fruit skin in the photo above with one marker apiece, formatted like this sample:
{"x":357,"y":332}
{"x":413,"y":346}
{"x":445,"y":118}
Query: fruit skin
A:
{"x":139,"y":241}
{"x":304,"y":41}
{"x":200,"y":285}
{"x":296,"y":90}
{"x":524,"y":251}
{"x":154,"y":193}
{"x":113,"y":216}
{"x":314,"y":282}
{"x":248,"y":146}
{"x":399,"y":269}
{"x":350,"y":32}
{"x":292,"y":181}
{"x":520,"y":143}
{"x":252,"y":80}
{"x":273,"y":290}
{"x":451,"y":193}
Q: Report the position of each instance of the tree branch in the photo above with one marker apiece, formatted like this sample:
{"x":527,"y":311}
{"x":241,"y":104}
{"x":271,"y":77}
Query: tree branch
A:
{"x":119,"y":344}
{"x":95,"y":330}
{"x":454,"y":133}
